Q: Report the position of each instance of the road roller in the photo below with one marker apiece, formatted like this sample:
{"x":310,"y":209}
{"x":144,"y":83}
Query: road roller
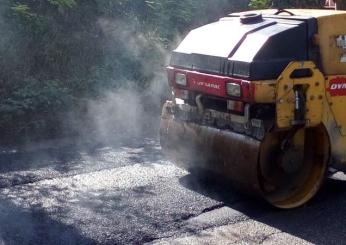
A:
{"x":259,"y":98}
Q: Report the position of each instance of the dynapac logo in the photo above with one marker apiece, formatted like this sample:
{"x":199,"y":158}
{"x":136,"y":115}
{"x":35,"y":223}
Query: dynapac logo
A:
{"x":208,"y":85}
{"x":337,"y":86}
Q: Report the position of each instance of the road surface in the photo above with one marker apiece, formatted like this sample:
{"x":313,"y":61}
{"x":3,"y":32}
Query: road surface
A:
{"x":130,"y":194}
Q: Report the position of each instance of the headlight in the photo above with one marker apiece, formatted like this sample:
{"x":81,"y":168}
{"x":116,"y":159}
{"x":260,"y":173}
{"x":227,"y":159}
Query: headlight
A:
{"x":180,"y":79}
{"x":234,"y":89}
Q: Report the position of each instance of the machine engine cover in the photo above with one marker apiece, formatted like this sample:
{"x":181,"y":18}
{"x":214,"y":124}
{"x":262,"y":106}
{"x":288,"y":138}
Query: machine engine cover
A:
{"x":257,"y":50}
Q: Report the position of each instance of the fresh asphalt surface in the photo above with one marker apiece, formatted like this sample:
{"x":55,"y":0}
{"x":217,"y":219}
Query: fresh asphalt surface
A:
{"x":130,"y":194}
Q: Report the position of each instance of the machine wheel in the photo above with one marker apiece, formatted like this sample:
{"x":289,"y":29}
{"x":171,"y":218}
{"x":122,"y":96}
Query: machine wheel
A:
{"x":292,"y":167}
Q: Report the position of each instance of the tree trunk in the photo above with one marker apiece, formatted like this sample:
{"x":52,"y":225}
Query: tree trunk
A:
{"x":341,"y":4}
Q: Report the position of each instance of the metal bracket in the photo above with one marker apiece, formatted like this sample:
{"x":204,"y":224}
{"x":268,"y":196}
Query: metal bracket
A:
{"x":299,"y":99}
{"x":341,"y":41}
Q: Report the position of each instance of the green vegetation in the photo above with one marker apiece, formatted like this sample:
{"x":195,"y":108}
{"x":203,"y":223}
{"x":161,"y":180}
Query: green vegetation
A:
{"x":259,"y":4}
{"x":56,"y":54}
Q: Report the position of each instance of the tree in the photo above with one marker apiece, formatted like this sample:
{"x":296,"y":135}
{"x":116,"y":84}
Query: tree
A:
{"x":259,"y":4}
{"x":286,"y":3}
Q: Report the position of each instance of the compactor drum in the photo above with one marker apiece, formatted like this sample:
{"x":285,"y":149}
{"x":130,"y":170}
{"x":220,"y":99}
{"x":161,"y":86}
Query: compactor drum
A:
{"x":260,"y":99}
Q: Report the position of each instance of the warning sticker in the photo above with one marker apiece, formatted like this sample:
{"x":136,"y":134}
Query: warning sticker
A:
{"x":337,"y":86}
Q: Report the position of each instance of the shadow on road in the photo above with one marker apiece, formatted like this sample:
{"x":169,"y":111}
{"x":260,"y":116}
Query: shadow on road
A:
{"x":40,"y":204}
{"x":64,"y":158}
{"x":32,"y":225}
{"x":34,"y":160}
{"x":321,"y":221}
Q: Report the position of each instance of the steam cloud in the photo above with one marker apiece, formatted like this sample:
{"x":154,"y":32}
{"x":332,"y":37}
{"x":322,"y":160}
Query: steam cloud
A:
{"x":129,"y":110}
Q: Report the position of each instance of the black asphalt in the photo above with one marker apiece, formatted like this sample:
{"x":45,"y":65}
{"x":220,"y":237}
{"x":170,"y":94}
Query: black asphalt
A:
{"x":130,"y":194}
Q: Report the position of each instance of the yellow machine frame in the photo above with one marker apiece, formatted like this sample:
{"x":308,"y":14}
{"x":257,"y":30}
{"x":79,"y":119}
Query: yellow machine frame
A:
{"x":322,"y":105}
